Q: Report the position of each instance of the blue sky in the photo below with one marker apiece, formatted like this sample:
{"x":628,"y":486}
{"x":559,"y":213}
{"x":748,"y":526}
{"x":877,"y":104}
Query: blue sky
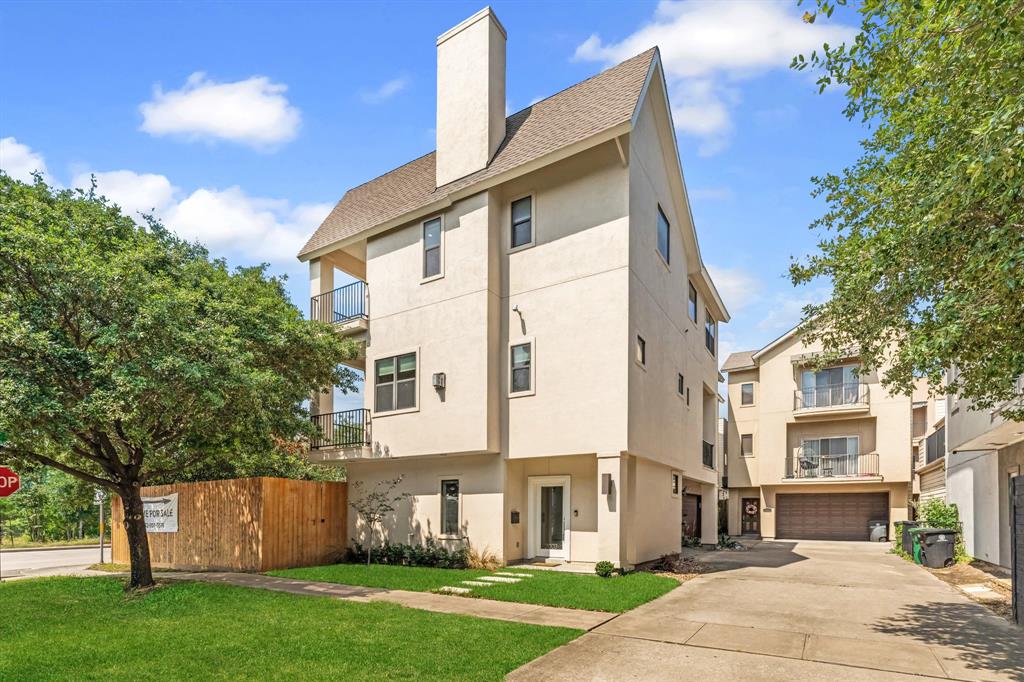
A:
{"x":242,"y":123}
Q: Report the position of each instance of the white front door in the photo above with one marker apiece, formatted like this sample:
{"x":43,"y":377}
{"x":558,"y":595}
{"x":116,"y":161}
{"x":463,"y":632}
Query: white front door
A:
{"x":549,"y":517}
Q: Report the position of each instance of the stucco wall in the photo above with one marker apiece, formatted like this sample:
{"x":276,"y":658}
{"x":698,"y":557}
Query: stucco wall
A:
{"x":972,"y":478}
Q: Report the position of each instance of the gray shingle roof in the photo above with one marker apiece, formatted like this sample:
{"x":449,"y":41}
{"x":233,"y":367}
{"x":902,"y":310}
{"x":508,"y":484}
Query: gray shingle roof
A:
{"x":572,"y":115}
{"x":741,"y":360}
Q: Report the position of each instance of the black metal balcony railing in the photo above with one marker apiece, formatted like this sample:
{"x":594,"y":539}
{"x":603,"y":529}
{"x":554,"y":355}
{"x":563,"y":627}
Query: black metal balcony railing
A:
{"x":832,"y":395}
{"x":347,"y":429}
{"x":708,"y":456}
{"x":809,"y":465}
{"x":341,"y":305}
{"x":935,"y":445}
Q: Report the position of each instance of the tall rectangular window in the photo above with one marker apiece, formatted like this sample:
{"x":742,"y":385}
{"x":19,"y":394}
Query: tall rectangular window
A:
{"x":522,"y":222}
{"x":641,"y":350}
{"x":747,"y":445}
{"x":746,"y":394}
{"x":680,"y":384}
{"x":432,"y":248}
{"x":522,"y":367}
{"x":450,"y":507}
{"x":710,"y":330}
{"x":663,"y":235}
{"x":693,"y":302}
{"x":395,"y":383}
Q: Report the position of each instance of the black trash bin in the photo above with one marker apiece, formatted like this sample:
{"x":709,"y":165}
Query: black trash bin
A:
{"x":907,"y":538}
{"x":938,"y":547}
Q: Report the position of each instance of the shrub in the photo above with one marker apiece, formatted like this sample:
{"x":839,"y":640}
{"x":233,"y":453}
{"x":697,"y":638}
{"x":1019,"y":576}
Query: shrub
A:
{"x":430,"y":553}
{"x":604,"y":568}
{"x":935,"y":513}
{"x":482,"y":559}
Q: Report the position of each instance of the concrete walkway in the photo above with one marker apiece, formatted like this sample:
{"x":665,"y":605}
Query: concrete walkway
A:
{"x":428,"y":601}
{"x":797,"y":611}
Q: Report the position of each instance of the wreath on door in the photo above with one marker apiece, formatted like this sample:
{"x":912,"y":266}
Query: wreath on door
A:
{"x":750,"y":509}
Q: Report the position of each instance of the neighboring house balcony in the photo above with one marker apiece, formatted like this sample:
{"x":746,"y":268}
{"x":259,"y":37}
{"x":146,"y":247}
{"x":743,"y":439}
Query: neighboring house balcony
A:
{"x":830,"y":400}
{"x":341,"y":435}
{"x":346,"y":308}
{"x":935,"y":446}
{"x":808,"y":465}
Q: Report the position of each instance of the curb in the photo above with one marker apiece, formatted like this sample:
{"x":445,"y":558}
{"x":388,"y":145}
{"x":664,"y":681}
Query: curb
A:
{"x":49,"y":548}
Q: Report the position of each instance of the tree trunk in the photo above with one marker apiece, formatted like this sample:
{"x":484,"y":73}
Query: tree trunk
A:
{"x":138,"y":540}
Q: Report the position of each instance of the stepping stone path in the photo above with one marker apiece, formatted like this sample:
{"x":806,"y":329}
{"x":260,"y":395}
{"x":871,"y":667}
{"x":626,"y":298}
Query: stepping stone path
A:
{"x":485,"y":581}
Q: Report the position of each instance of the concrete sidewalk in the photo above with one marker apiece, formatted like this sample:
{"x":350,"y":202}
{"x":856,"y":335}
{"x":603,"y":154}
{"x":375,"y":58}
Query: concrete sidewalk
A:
{"x":797,"y":611}
{"x":427,"y":601}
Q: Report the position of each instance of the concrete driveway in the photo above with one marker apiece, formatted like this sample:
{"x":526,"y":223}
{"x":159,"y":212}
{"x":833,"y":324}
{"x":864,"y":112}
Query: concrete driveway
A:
{"x":797,"y":611}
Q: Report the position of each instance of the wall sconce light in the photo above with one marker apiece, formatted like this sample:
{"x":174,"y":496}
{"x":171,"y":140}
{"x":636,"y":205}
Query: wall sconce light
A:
{"x":439,"y":381}
{"x":606,"y":484}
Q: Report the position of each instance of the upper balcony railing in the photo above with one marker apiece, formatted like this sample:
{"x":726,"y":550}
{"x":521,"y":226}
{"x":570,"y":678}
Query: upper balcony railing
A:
{"x":935,"y":445}
{"x":811,"y":465}
{"x":347,"y":429}
{"x":341,"y":305}
{"x":833,"y":395}
{"x":708,"y":455}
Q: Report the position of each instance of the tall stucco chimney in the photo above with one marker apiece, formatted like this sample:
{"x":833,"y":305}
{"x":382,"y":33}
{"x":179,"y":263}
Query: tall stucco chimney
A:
{"x":470,"y":95}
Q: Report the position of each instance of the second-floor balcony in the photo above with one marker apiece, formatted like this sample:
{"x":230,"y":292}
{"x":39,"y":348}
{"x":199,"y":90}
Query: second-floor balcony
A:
{"x":935,"y":446}
{"x":344,"y":307}
{"x":347,"y":430}
{"x":809,"y":465}
{"x":845,"y":397}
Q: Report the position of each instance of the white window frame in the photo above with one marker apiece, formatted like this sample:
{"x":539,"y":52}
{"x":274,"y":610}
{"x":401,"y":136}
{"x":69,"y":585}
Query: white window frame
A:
{"x":533,"y":223}
{"x":534,"y":484}
{"x":423,"y":250}
{"x":753,"y":450}
{"x":837,"y":437}
{"x":440,"y":506}
{"x":666,"y":257}
{"x":533,"y":367}
{"x":753,"y":396}
{"x":416,"y":389}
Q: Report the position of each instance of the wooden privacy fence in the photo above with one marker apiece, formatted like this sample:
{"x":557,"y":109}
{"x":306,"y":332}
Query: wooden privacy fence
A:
{"x":245,"y":524}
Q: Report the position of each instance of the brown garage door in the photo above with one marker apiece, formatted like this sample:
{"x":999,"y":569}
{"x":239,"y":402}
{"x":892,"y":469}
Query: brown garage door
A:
{"x":828,"y":516}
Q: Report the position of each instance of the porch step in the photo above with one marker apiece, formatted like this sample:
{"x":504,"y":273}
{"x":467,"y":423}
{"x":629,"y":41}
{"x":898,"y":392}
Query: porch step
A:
{"x":448,"y":589}
{"x":499,"y":579}
{"x":477,"y":583}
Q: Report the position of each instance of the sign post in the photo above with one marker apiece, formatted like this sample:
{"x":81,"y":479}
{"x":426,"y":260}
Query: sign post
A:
{"x":100,"y":499}
{"x":9,"y":484}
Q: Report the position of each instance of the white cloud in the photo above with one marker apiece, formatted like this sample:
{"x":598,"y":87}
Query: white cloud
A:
{"x":135,"y":193}
{"x":737,"y":287}
{"x":253,"y":112}
{"x":19,"y":161}
{"x":227,"y":221}
{"x":709,"y":47}
{"x":385,"y":91}
{"x":785,"y":310}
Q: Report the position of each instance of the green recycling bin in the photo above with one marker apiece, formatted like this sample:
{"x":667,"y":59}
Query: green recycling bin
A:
{"x":915,"y":534}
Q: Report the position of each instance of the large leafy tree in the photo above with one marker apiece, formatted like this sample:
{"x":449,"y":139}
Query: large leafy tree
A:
{"x":923,"y":237}
{"x":128,"y":356}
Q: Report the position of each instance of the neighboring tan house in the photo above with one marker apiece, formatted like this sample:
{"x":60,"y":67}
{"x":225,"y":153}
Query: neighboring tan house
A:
{"x":539,"y":332}
{"x":813,"y":453}
{"x":984,"y":452}
{"x":929,"y":445}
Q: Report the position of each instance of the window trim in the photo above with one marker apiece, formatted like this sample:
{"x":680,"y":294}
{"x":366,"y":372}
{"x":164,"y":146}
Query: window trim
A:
{"x":666,"y":257}
{"x":837,"y":437}
{"x":676,"y":478}
{"x":533,"y":367}
{"x":680,"y":385}
{"x":752,"y":397}
{"x":533,"y":223}
{"x":440,"y":503}
{"x":423,"y":249}
{"x":696,"y":302}
{"x":640,"y":351}
{"x":752,"y":451}
{"x":714,"y":334}
{"x":416,"y":389}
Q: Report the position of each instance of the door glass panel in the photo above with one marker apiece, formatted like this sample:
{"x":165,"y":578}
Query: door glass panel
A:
{"x":552,"y":534}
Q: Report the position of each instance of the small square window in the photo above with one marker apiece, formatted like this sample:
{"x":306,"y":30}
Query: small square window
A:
{"x":522,"y":222}
{"x":747,"y":445}
{"x":680,"y":384}
{"x":641,"y":350}
{"x":395,"y":383}
{"x":450,"y":507}
{"x":675,"y":483}
{"x":746,"y":394}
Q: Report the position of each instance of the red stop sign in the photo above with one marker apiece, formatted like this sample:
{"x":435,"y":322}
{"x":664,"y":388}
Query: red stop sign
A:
{"x":9,"y":482}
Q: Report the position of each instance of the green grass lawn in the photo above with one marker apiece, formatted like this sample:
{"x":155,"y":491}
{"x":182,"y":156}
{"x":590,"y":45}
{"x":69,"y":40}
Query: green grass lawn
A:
{"x":550,"y":588}
{"x":88,"y":629}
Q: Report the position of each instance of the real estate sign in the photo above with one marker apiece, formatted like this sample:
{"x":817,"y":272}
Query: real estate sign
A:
{"x":161,"y":513}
